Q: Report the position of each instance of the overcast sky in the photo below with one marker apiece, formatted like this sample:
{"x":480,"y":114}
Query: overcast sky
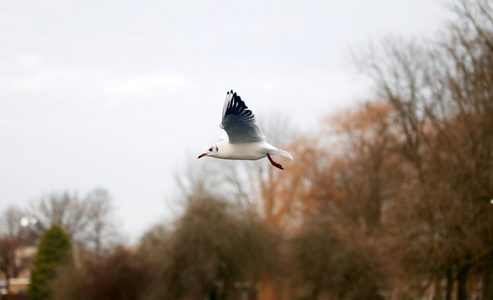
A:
{"x":122,"y":94}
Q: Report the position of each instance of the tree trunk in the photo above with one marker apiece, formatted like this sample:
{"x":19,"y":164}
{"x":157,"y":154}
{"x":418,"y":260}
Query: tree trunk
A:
{"x":7,"y":282}
{"x":450,"y":284}
{"x":487,"y":290}
{"x":438,"y":286}
{"x":462,"y":283}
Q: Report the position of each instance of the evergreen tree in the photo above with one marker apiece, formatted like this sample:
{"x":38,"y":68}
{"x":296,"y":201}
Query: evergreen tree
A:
{"x":54,"y":250}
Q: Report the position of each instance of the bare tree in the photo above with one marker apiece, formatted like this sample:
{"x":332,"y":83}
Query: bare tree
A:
{"x":263,"y":181}
{"x":66,"y":210}
{"x":87,"y":220}
{"x":100,"y":231}
{"x":364,"y":160}
{"x":441,"y":93}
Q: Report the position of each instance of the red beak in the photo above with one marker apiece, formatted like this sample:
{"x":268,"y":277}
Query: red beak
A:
{"x":202,"y":155}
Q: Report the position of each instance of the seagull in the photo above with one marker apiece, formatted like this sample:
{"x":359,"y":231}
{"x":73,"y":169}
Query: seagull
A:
{"x":245,"y":140}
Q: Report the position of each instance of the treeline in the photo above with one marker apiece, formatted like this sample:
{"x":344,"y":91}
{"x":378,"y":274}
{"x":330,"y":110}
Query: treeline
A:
{"x":390,"y":199}
{"x":86,"y":220}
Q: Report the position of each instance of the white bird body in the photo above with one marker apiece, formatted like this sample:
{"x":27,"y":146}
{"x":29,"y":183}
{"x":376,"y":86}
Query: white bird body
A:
{"x":246,"y":141}
{"x":247,"y":151}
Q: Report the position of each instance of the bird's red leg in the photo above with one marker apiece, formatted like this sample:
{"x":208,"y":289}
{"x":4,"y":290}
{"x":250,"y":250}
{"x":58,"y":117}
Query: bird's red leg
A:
{"x":277,"y":165}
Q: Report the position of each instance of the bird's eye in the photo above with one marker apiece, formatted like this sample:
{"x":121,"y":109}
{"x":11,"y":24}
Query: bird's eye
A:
{"x":210,"y":149}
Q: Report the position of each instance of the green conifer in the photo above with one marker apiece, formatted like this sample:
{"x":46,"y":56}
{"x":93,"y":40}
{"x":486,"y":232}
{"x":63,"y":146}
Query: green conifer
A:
{"x":54,"y":250}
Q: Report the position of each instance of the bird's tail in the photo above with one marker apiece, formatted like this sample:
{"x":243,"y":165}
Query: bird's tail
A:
{"x":281,"y":152}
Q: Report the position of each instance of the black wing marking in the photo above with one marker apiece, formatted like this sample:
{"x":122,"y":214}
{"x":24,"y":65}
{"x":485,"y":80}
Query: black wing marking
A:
{"x":239,"y":121}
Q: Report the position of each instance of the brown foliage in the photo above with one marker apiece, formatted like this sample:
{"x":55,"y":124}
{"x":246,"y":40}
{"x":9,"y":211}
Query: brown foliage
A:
{"x":213,"y":250}
{"x":118,"y":275}
{"x":326,"y":263}
{"x":442,"y":99}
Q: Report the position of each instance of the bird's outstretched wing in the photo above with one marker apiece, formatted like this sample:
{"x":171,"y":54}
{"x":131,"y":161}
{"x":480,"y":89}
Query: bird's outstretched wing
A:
{"x":239,"y":122}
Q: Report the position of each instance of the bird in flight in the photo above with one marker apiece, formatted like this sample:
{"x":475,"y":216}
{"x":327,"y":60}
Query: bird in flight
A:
{"x":246,"y":141}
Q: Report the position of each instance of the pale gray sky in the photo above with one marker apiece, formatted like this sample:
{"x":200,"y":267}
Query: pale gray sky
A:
{"x":122,"y":94}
